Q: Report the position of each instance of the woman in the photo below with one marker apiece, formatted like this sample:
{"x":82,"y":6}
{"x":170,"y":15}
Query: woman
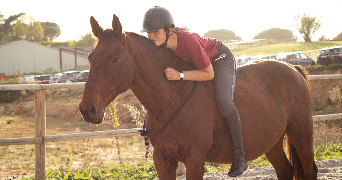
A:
{"x":214,"y":61}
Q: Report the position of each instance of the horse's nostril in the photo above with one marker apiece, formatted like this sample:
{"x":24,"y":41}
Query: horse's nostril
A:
{"x":91,"y":111}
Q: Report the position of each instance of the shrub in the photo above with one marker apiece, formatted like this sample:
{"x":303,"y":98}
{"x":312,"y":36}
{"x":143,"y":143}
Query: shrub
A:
{"x":9,"y":96}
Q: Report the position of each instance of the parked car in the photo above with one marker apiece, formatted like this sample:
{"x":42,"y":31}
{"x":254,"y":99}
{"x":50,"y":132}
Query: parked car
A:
{"x":297,"y":58}
{"x":240,"y":61}
{"x":337,"y":54}
{"x":83,"y":76}
{"x":271,"y":56}
{"x":28,"y":79}
{"x":54,"y":78}
{"x":68,"y":76}
{"x":43,"y":79}
{"x":330,"y":55}
{"x":325,"y":56}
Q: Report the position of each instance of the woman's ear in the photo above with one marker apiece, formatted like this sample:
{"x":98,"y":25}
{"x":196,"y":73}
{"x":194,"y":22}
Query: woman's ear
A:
{"x":170,"y":32}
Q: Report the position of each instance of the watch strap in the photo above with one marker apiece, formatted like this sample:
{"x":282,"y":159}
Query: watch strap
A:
{"x":181,"y":78}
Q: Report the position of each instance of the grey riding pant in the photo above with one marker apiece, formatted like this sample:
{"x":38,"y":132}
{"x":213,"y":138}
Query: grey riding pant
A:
{"x":224,"y":79}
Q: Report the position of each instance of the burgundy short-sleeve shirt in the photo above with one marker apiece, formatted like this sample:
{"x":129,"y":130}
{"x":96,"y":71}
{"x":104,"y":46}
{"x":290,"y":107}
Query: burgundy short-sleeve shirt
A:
{"x":195,"y":49}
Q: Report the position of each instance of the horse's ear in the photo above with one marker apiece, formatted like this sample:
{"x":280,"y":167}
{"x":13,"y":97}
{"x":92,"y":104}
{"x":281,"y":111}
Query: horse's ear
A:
{"x":96,"y":28}
{"x":116,"y":25}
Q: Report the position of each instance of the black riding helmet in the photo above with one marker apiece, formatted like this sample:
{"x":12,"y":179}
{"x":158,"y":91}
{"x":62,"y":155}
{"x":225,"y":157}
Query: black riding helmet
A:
{"x":157,"y":18}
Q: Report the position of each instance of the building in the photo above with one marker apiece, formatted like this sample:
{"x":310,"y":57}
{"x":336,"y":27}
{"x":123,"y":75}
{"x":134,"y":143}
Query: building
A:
{"x":26,"y":57}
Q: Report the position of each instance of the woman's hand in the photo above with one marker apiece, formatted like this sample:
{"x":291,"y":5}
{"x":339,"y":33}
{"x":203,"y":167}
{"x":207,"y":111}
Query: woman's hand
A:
{"x":193,"y":75}
{"x":171,"y":74}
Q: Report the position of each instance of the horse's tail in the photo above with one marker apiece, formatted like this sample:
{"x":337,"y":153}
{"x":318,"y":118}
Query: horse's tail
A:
{"x":294,"y":160}
{"x":291,"y":150}
{"x":303,"y":72}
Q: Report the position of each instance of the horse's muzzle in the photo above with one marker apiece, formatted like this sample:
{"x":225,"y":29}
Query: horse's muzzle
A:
{"x":89,"y":115}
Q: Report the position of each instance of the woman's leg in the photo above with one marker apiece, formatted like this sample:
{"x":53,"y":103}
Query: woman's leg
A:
{"x":224,"y":70}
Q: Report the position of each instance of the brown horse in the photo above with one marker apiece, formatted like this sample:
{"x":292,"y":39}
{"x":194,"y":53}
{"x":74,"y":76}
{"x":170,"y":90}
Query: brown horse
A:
{"x":273,"y":99}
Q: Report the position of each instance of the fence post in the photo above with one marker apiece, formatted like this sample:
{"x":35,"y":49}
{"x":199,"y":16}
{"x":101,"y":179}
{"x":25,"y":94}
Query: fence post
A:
{"x":40,"y":131}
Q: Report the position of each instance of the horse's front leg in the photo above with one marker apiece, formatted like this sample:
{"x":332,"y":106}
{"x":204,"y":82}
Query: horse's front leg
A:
{"x":194,"y":165}
{"x":166,"y":166}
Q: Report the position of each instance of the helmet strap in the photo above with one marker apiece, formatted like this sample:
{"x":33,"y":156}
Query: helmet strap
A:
{"x":167,"y":31}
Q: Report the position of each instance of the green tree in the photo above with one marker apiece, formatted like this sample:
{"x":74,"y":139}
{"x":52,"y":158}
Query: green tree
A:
{"x":338,"y":37}
{"x":307,"y":26}
{"x":33,"y":31}
{"x":20,"y":30}
{"x":275,"y":34}
{"x":1,"y":18}
{"x":323,"y":38}
{"x":222,"y":35}
{"x":36,"y":31}
{"x":6,"y":26}
{"x":86,"y":41}
{"x":51,"y":30}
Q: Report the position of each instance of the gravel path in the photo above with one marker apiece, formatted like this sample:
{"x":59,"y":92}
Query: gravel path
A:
{"x":328,"y":169}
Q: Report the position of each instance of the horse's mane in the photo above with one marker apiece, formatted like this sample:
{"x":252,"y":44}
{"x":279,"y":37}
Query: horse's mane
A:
{"x":109,"y":33}
{"x":142,"y":39}
{"x":170,"y":57}
{"x":135,"y":35}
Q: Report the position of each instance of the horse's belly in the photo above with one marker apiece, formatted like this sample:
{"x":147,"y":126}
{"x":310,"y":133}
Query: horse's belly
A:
{"x":262,"y":127}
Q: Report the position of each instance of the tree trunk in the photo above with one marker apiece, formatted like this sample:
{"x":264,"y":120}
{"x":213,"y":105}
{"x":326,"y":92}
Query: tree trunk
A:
{"x":307,"y":38}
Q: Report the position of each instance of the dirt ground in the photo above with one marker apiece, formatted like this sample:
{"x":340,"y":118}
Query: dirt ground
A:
{"x":328,"y":169}
{"x":63,"y":116}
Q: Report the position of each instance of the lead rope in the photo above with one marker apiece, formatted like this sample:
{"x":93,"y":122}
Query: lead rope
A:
{"x":143,"y":132}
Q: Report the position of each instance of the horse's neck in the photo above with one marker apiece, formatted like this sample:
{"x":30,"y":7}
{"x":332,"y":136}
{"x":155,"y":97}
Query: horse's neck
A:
{"x":150,"y":85}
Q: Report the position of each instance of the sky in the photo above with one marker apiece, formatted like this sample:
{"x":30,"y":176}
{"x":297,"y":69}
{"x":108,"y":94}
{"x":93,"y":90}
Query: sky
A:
{"x":246,"y":18}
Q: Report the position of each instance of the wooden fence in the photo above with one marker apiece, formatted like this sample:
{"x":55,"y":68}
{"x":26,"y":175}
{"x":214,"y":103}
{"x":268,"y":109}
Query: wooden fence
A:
{"x":41,"y":139}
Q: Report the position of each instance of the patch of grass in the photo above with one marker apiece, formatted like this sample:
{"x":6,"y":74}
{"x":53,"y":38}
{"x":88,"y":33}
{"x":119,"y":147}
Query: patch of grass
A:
{"x":313,"y":47}
{"x":215,"y":167}
{"x":319,"y":68}
{"x":259,"y":162}
{"x":143,"y":170}
{"x":328,"y":151}
{"x":318,"y":107}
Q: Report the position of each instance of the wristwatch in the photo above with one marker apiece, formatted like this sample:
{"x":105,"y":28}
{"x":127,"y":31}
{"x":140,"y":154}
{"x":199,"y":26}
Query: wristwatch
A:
{"x":181,"y":75}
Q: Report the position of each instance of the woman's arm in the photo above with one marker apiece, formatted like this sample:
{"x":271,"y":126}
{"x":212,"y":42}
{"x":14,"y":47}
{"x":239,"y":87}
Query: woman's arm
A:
{"x":193,"y":75}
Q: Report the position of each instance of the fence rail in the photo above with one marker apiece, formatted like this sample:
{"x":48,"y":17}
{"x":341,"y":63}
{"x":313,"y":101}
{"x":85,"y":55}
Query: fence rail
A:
{"x":41,"y":139}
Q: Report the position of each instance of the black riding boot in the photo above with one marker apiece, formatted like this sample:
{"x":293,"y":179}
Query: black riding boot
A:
{"x":233,"y":126}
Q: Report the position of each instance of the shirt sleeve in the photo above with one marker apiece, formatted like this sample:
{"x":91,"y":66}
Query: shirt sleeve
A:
{"x":196,"y":51}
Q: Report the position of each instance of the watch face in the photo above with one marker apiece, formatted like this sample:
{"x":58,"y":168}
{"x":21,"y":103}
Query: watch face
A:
{"x":181,"y":75}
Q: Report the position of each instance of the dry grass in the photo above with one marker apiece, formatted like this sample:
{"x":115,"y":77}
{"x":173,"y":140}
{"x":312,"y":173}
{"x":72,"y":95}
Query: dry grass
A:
{"x":327,"y":131}
{"x":72,"y":155}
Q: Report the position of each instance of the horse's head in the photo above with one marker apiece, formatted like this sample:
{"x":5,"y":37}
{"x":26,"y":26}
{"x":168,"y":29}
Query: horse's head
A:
{"x":111,"y":71}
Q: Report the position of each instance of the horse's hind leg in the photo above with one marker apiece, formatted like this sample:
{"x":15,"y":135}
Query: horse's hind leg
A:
{"x":166,"y":167}
{"x":278,"y":159}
